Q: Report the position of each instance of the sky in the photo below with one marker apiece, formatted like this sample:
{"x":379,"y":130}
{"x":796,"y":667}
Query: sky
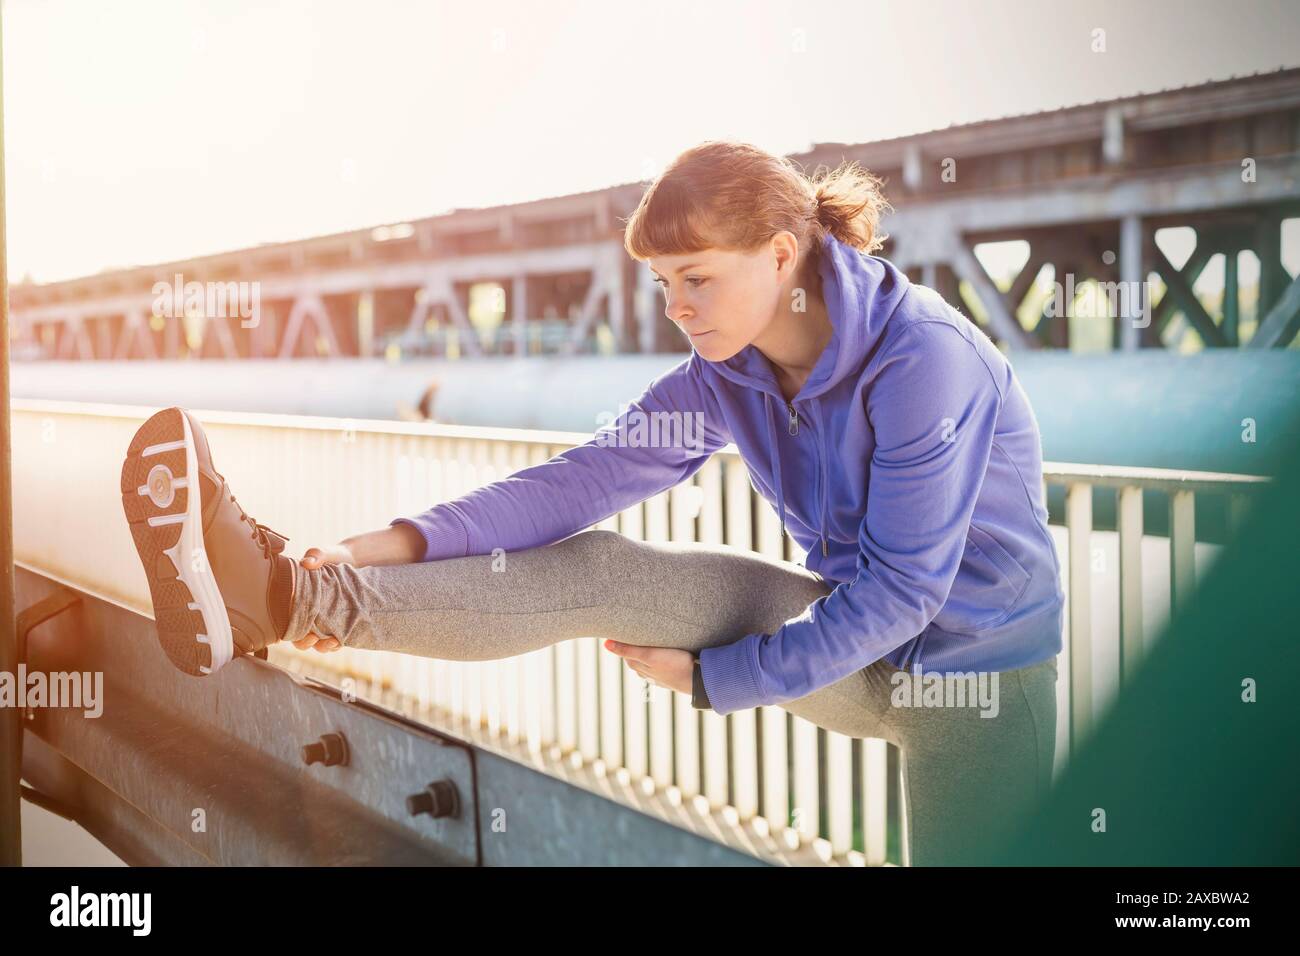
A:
{"x":151,"y":130}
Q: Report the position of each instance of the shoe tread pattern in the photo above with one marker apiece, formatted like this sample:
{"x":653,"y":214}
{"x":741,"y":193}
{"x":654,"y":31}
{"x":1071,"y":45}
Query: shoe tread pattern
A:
{"x":178,"y":625}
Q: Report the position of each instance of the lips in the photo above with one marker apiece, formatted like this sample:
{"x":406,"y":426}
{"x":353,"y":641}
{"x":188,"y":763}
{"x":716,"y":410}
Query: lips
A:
{"x":695,"y":335}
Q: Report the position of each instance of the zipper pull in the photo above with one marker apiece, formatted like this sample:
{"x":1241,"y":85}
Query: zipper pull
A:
{"x":825,"y":553}
{"x":794,"y":420}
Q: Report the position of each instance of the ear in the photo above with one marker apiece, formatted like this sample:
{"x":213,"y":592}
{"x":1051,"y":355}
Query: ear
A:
{"x":785,"y":249}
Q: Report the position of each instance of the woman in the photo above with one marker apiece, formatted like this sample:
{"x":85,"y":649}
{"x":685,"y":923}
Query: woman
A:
{"x":890,"y":434}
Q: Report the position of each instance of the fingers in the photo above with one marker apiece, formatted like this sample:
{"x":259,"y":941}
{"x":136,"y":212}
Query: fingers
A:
{"x":630,"y":652}
{"x":637,"y":658}
{"x":315,"y":641}
{"x":313,"y":559}
{"x":626,"y":651}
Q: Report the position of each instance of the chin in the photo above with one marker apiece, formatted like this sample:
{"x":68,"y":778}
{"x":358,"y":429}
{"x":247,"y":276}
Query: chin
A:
{"x":714,"y":351}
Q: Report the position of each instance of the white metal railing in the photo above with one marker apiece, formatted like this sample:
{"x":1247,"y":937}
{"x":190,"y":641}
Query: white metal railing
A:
{"x":1154,"y":575}
{"x":321,"y":479}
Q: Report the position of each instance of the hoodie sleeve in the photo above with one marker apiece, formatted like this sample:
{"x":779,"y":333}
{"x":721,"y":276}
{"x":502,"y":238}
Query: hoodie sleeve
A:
{"x":658,"y":441}
{"x":933,"y":406}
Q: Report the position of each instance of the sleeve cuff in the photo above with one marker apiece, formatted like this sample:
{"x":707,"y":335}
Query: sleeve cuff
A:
{"x":730,"y":675}
{"x":699,"y":695}
{"x":443,"y":532}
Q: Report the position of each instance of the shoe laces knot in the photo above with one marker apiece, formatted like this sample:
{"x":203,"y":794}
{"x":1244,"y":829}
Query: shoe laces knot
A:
{"x":270,"y":540}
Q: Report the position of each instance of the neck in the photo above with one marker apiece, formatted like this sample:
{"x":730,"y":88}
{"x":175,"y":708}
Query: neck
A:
{"x":794,"y":340}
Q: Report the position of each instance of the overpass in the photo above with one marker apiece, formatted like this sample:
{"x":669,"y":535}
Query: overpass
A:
{"x":1087,"y":187}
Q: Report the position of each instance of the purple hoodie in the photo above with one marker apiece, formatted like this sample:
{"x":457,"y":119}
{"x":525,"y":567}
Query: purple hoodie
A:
{"x":908,"y":466}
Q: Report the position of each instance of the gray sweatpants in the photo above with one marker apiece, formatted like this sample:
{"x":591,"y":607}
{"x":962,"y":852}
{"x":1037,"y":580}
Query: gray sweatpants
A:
{"x":966,"y":775}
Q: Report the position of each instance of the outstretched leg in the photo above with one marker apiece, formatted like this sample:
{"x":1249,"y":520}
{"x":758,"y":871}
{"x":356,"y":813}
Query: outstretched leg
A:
{"x":594,"y":583}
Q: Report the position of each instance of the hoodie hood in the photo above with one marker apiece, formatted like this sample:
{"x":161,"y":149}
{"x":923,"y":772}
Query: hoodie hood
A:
{"x":861,"y":292}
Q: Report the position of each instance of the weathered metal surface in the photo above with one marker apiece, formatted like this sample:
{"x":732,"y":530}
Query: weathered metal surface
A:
{"x":183,"y":770}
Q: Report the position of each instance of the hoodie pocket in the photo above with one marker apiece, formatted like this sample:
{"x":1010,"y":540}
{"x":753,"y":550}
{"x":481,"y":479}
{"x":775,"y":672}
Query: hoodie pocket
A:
{"x":989,"y":584}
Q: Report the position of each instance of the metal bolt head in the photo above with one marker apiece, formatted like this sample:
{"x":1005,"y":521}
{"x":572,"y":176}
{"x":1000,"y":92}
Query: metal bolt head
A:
{"x":331,"y":750}
{"x":438,"y":799}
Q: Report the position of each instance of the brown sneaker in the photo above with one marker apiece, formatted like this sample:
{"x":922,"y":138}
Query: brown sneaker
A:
{"x":220,"y":586}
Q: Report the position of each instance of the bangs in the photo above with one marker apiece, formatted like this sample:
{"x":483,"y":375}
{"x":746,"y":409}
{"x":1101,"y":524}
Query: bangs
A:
{"x":667,"y":223}
{"x":736,"y":197}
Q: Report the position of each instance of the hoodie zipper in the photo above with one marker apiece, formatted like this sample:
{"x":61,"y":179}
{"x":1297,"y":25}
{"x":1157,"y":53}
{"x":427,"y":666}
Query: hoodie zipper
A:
{"x":794,"y":430}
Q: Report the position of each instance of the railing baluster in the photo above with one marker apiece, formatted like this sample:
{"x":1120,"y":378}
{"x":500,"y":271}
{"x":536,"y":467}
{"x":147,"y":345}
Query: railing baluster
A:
{"x":566,"y":685}
{"x":1238,"y":512}
{"x":743,"y":724}
{"x":440,"y":450}
{"x":456,"y":691}
{"x":684,"y":502}
{"x":342,"y":450}
{"x":462,"y":482}
{"x":1182,"y":547}
{"x":661,"y":703}
{"x":839,"y":793}
{"x":1129,"y":508}
{"x":714,"y":724}
{"x":875,"y":801}
{"x":1078,"y":522}
{"x":635,"y":705}
{"x":586,"y":698}
{"x":566,"y":690}
{"x":607,"y":694}
{"x":774,"y":721}
{"x":543,"y":664}
{"x":517,"y":709}
{"x":806,"y":816}
{"x":477,"y":672}
{"x":495,"y":466}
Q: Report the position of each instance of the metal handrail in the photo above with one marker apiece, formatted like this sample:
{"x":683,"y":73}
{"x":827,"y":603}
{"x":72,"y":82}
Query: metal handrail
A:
{"x":321,"y":479}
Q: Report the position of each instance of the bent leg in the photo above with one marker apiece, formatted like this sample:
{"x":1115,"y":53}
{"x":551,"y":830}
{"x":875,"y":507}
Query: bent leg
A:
{"x":598,"y":583}
{"x":967,"y":778}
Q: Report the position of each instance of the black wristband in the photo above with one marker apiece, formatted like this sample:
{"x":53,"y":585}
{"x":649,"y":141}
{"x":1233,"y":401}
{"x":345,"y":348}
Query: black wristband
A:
{"x":699,"y":699}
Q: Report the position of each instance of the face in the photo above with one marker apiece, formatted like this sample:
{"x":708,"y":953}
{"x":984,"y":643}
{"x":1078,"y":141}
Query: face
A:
{"x":724,"y":300}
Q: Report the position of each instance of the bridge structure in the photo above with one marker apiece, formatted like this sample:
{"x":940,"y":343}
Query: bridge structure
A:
{"x":1086,"y":187}
{"x":409,"y":760}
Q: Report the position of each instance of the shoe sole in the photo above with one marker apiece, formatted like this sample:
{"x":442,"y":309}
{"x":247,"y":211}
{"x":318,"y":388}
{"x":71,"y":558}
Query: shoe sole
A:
{"x":162,"y":499}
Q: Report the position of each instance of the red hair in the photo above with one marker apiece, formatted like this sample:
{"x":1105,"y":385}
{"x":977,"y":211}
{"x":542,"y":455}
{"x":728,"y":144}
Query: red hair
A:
{"x":734,"y":196}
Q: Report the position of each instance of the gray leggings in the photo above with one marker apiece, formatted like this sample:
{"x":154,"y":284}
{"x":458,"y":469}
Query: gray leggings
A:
{"x":965,"y":775}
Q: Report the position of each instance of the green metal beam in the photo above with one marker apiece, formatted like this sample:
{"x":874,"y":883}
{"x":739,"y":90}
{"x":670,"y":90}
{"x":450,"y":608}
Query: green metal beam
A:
{"x":1187,"y":302}
{"x":1192,"y":270}
{"x":1282,"y":322}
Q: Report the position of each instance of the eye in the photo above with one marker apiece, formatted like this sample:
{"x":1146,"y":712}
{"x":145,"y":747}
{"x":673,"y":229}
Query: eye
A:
{"x":695,"y":281}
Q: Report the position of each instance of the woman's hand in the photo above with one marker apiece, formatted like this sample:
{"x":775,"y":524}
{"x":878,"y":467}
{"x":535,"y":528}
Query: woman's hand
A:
{"x":668,"y":667}
{"x":313,"y":559}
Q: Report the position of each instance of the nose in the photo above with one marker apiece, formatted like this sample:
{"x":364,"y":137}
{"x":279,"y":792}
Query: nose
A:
{"x":676,"y":311}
